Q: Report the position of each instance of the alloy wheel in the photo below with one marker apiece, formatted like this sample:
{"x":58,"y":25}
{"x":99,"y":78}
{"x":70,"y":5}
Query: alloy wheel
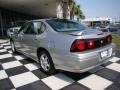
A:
{"x":44,"y":61}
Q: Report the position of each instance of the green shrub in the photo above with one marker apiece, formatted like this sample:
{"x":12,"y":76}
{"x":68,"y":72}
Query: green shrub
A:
{"x":116,"y":40}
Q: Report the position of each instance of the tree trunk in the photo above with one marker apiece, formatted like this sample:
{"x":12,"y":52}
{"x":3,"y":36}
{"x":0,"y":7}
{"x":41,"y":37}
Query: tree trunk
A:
{"x":65,"y":8}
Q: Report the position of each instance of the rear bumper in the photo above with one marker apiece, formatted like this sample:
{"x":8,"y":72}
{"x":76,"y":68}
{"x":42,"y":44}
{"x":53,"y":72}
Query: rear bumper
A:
{"x":82,"y":62}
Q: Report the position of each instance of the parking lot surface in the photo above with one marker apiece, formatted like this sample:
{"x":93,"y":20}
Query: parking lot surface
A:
{"x":18,"y":72}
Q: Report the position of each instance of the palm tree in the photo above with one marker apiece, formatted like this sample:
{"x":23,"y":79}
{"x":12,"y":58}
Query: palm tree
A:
{"x":72,"y":6}
{"x":75,"y":10}
{"x":79,"y":13}
{"x":65,"y":8}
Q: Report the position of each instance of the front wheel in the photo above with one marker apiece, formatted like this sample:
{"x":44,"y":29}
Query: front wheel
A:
{"x":46,"y":63}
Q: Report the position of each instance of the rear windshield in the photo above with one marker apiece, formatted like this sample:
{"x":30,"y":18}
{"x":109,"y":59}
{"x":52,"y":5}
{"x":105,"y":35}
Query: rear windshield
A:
{"x":62,"y":25}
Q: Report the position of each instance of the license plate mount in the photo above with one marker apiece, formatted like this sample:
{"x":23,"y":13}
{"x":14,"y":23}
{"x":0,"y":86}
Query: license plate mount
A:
{"x":104,"y":54}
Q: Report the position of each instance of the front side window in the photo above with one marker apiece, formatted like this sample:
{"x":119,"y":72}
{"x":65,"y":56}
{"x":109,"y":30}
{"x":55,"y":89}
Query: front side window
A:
{"x":23,"y":28}
{"x":62,"y":25}
{"x":30,"y":29}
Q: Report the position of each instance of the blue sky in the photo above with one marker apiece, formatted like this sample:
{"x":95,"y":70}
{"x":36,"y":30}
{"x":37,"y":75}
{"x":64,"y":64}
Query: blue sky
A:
{"x":100,"y":8}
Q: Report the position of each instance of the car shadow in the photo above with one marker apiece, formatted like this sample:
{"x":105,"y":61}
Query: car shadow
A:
{"x":76,"y":76}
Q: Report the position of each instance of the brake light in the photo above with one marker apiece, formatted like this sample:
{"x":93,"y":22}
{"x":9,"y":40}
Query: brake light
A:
{"x":90,"y":44}
{"x":109,"y":39}
{"x":80,"y":45}
{"x":77,"y":46}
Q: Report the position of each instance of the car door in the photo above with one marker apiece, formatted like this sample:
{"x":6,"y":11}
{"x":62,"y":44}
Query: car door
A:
{"x":31,"y":41}
{"x":18,"y":37}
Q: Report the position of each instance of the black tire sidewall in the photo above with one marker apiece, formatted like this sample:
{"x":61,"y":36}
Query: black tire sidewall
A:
{"x":52,"y":68}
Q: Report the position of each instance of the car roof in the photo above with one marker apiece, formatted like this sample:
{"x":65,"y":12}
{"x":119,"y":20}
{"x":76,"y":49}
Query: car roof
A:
{"x":50,"y":19}
{"x":43,"y":19}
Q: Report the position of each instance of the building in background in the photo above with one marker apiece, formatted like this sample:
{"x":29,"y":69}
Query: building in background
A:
{"x":12,"y":11}
{"x":9,"y":18}
{"x":91,"y":22}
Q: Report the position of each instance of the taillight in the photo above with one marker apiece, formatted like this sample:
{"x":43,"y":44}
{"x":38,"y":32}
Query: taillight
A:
{"x":109,"y":39}
{"x":77,"y":46}
{"x":80,"y":45}
{"x":90,"y":44}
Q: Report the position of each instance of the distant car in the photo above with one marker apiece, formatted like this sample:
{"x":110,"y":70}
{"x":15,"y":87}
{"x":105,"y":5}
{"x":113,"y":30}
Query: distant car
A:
{"x":63,"y":44}
{"x":10,"y":31}
{"x":113,"y":29}
{"x":98,"y":26}
{"x":104,"y":30}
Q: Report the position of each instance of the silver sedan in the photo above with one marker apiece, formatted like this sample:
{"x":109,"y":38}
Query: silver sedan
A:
{"x":63,"y":44}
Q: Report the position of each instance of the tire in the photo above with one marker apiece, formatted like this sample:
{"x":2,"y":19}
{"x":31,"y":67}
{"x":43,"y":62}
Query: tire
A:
{"x":46,"y":63}
{"x":13,"y":46}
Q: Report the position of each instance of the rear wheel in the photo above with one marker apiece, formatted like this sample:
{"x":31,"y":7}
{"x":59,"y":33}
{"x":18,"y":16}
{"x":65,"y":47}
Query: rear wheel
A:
{"x":46,"y":63}
{"x":12,"y":46}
